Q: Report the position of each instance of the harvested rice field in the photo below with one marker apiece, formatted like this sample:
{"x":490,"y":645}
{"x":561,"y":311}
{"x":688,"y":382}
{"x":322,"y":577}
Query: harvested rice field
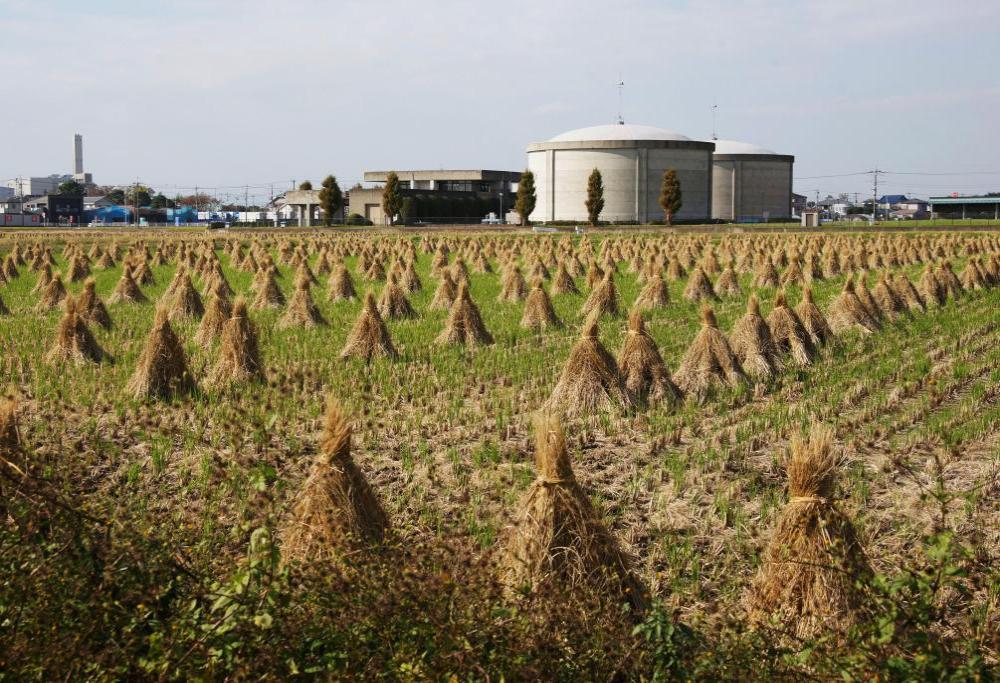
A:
{"x":486,"y":456}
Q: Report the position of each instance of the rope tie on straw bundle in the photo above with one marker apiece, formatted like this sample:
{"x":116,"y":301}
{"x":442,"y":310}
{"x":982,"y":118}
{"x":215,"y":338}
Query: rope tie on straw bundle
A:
{"x":554,"y":482}
{"x":806,"y":499}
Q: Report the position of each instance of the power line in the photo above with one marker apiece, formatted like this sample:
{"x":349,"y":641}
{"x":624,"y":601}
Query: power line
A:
{"x":838,"y":175}
{"x":943,"y":174}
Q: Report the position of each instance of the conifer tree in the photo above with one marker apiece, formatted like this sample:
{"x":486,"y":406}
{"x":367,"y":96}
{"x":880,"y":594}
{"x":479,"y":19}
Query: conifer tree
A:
{"x":392,"y":197}
{"x":526,"y":198}
{"x":331,"y":199}
{"x":595,"y":197}
{"x":670,"y":196}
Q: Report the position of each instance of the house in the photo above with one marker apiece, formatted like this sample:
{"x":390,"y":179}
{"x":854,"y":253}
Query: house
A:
{"x":910,"y":209}
{"x":91,"y":203}
{"x":891,"y":201}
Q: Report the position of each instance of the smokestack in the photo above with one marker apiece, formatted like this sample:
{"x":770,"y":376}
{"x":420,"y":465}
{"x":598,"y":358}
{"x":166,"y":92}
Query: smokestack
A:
{"x":78,"y":154}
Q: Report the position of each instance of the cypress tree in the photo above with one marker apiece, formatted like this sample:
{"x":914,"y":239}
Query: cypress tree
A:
{"x":595,"y":196}
{"x":526,"y":198}
{"x":331,"y":199}
{"x":670,"y":196}
{"x":392,"y":197}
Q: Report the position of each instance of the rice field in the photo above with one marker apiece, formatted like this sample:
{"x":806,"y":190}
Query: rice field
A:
{"x":255,"y":470}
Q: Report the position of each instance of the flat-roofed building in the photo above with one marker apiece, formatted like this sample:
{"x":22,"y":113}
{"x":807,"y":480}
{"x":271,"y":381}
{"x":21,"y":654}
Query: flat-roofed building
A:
{"x":433,"y":196}
{"x":959,"y":207}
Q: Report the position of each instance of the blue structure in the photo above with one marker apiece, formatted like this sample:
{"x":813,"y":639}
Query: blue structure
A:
{"x":182,"y":214}
{"x":109,"y":214}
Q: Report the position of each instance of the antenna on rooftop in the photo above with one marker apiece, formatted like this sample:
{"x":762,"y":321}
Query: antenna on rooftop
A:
{"x":714,"y":136}
{"x":621,"y":86}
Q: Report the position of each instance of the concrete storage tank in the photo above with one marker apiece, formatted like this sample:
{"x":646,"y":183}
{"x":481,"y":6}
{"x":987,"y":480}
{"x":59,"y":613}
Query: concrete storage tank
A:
{"x":749,"y":183}
{"x":632,"y":160}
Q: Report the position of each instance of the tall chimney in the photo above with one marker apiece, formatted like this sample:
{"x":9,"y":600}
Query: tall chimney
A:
{"x":78,"y":154}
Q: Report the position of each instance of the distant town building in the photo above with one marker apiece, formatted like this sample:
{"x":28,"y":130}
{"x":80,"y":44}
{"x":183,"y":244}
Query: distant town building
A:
{"x":6,"y":193}
{"x":36,"y":186}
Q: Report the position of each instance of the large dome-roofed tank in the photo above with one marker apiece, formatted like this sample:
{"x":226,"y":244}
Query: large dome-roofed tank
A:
{"x":750,"y":183}
{"x":632,"y":160}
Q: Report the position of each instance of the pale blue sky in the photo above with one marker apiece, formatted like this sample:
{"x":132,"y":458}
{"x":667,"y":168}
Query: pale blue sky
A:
{"x":222,"y":93}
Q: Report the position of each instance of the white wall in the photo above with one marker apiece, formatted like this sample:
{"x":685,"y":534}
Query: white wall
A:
{"x":631,"y":177}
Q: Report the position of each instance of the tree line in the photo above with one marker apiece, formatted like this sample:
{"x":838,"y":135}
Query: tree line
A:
{"x":394,"y":203}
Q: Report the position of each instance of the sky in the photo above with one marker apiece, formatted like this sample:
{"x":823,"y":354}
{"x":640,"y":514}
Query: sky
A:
{"x":220,"y":94}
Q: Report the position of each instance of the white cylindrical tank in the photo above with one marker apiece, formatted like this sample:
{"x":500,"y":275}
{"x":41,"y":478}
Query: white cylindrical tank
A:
{"x":750,"y":183}
{"x":632,"y":160}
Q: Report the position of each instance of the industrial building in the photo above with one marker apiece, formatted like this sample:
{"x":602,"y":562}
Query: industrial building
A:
{"x":750,"y":184}
{"x":438,"y":195}
{"x":965,"y":207}
{"x":632,"y":160}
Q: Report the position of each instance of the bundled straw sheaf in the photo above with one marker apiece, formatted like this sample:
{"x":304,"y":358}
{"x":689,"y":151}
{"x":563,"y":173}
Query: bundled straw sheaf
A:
{"x":814,"y":562}
{"x":239,"y":351}
{"x":848,"y":313}
{"x":752,"y":343}
{"x":789,"y":334}
{"x":642,"y":368}
{"x":162,"y":370}
{"x":127,"y":290}
{"x":336,"y":513}
{"x":709,"y":361}
{"x":539,"y":313}
{"x":813,"y":320}
{"x":369,"y":337}
{"x":590,"y":381}
{"x":302,"y":310}
{"x":74,"y":340}
{"x":464,"y":326}
{"x":699,"y":287}
{"x":558,"y":540}
{"x":603,"y":299}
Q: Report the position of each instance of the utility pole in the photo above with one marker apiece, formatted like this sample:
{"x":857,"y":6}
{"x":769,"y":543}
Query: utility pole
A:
{"x":246,"y":204}
{"x":714,"y":136}
{"x":875,"y":195}
{"x":197,"y":204}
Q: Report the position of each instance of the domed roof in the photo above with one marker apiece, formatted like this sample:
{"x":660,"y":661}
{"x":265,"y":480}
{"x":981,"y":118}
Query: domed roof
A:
{"x":734,"y":147}
{"x":618,"y":131}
